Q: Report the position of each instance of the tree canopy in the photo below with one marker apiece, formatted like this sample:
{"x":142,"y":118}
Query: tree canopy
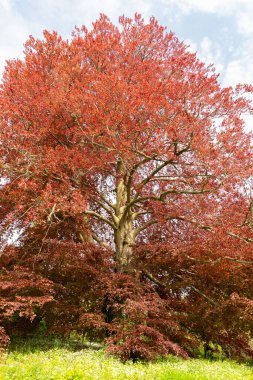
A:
{"x":127,"y":174}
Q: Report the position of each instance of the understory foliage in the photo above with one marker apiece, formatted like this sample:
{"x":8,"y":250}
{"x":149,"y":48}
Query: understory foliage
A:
{"x":126,"y":209}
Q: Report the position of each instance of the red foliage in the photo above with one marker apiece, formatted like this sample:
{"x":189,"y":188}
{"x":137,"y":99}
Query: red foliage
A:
{"x":23,"y":294}
{"x":4,"y":338}
{"x":127,"y":176}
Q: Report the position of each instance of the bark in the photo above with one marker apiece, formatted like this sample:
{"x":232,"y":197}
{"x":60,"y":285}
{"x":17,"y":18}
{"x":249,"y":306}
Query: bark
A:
{"x":124,"y":241}
{"x":124,"y":234}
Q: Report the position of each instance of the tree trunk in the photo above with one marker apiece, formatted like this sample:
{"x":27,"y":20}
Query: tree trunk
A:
{"x":124,"y":236}
{"x":124,"y":241}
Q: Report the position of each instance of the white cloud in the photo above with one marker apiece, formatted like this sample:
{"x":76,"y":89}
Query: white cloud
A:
{"x":5,"y":5}
{"x":65,"y":14}
{"x":238,"y":71}
{"x":248,"y":119}
{"x":244,"y":21}
{"x":240,"y":68}
{"x":240,"y":10}
{"x":192,"y":46}
{"x":211,"y":53}
{"x":13,"y":32}
{"x":211,"y":6}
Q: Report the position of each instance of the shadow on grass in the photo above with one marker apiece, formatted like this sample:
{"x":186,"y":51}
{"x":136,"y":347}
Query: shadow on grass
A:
{"x":46,"y":343}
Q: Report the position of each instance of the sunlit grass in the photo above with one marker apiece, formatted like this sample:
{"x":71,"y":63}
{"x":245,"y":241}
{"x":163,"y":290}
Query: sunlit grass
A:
{"x":60,"y":363}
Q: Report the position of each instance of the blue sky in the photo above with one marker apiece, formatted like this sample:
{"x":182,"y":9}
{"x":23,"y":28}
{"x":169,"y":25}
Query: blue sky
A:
{"x":221,"y":31}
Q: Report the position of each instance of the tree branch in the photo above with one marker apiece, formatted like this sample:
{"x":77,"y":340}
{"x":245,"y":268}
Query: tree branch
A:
{"x":101,"y":217}
{"x":105,"y":208}
{"x":144,"y":226}
{"x":106,"y":200}
{"x":247,"y":240}
{"x":59,"y":141}
{"x":171,"y":191}
{"x":238,"y":260}
{"x":160,"y":283}
{"x":95,"y":238}
{"x":153,"y":173}
{"x":133,"y":170}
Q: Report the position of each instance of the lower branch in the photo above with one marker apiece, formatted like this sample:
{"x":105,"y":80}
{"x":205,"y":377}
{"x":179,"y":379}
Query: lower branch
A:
{"x":160,"y":283}
{"x":101,"y":217}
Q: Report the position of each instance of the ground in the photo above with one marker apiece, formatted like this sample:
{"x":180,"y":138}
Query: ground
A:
{"x":59,"y":362}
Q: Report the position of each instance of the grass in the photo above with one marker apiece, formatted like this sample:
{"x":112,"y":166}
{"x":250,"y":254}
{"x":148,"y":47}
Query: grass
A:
{"x":61,"y":362}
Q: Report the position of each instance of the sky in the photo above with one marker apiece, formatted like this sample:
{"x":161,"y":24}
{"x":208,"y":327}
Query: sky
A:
{"x":220,"y":31}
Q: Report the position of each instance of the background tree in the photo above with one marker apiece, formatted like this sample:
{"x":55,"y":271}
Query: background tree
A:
{"x":121,"y":145}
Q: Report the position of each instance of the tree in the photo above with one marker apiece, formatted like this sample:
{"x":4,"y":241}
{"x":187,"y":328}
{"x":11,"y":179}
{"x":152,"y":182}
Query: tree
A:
{"x":122,"y":140}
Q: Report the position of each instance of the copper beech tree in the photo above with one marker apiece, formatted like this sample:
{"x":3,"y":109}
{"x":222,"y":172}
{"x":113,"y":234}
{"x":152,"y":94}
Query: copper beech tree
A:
{"x":122,"y":143}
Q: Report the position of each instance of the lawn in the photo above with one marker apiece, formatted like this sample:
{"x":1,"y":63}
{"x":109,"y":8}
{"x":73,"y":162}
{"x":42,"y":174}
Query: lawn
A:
{"x":52,"y":360}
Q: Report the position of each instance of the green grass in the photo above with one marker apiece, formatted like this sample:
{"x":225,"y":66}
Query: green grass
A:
{"x":56,"y":362}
